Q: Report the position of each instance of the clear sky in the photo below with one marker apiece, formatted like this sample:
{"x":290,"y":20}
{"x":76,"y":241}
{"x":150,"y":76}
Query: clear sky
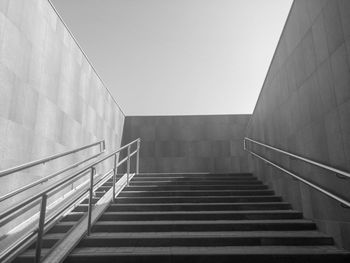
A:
{"x":179,"y":57}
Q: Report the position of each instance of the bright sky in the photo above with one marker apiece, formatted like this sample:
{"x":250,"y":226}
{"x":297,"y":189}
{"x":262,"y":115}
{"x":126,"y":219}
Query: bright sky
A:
{"x":179,"y":57}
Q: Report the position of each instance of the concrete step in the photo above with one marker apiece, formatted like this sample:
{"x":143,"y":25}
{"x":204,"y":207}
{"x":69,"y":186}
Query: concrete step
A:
{"x":201,"y":215}
{"x":197,"y":193}
{"x":195,"y":239}
{"x":192,"y":182}
{"x":190,"y":175}
{"x":194,"y":187}
{"x":197,"y":199}
{"x":149,"y":239}
{"x":195,"y":207}
{"x":105,"y":187}
{"x":94,"y":200}
{"x":81,"y":208}
{"x":73,"y":216}
{"x":195,"y":225}
{"x":246,"y":254}
{"x":194,"y":178}
{"x":62,"y":227}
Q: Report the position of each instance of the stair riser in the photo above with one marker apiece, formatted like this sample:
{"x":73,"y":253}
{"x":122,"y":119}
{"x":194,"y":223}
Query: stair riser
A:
{"x":149,"y":200}
{"x":81,"y":208}
{"x":195,"y":183}
{"x":209,"y":207}
{"x":99,"y":195}
{"x":71,"y":217}
{"x":204,"y":227}
{"x":86,"y":201}
{"x":205,"y":258}
{"x":205,"y":241}
{"x":194,"y":178}
{"x":196,"y":175}
{"x":60,"y":229}
{"x":139,"y":217}
{"x":105,"y":188}
{"x":194,"y":193}
{"x":196,"y":187}
{"x":47,"y":243}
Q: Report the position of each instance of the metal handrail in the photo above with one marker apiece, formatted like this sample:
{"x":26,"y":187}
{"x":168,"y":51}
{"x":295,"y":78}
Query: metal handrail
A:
{"x":46,"y":178}
{"x":50,"y":158}
{"x":344,"y":202}
{"x":76,"y":175}
{"x":332,"y":169}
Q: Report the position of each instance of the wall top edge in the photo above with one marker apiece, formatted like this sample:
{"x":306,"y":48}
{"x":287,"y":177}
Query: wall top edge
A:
{"x":273,"y":57}
{"x":84,"y":54}
{"x":190,"y":115}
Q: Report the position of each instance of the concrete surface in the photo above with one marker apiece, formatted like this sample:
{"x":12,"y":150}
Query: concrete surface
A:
{"x":304,"y":108}
{"x":51,"y":98}
{"x":208,"y":143}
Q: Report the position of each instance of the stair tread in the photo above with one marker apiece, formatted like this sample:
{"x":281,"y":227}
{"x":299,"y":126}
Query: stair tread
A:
{"x":189,"y":191}
{"x":203,"y":212}
{"x":202,"y":204}
{"x":197,"y":222}
{"x":198,"y":185}
{"x":229,"y":250}
{"x":194,"y":197}
{"x":195,"y":174}
{"x":245,"y":251}
{"x":194,"y":181}
{"x":284,"y":234}
{"x":195,"y":177}
{"x":197,"y":199}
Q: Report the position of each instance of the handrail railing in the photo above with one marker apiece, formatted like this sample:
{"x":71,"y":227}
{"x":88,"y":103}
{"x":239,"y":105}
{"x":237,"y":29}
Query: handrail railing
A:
{"x":344,"y":202}
{"x":50,"y":158}
{"x":46,"y":178}
{"x":332,"y":169}
{"x":43,"y":195}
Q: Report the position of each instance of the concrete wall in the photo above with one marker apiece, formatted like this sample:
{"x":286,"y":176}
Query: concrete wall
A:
{"x":51,"y":98}
{"x":189,"y":143}
{"x":304,"y":108}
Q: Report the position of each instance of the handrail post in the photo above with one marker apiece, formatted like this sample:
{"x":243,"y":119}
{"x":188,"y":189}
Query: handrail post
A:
{"x":138,"y":158}
{"x":128,"y":167}
{"x":92,"y":174}
{"x":114,"y":176}
{"x":244,"y":145}
{"x":102,"y":146}
{"x":41,"y":228}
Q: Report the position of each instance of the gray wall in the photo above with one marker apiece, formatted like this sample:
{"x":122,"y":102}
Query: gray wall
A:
{"x":51,"y":98}
{"x":211,"y":143}
{"x":304,"y":108}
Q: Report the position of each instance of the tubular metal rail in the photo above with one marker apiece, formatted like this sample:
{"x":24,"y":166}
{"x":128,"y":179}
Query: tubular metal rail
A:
{"x":45,"y":223}
{"x":46,"y":160}
{"x":344,"y":202}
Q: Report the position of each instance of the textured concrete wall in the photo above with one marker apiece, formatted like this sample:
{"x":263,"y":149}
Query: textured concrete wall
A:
{"x":51,"y":98}
{"x":304,"y":108}
{"x":189,"y":143}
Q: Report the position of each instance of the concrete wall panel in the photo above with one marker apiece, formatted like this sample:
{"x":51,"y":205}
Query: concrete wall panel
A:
{"x":189,"y":143}
{"x":304,"y":108}
{"x":52,"y":100}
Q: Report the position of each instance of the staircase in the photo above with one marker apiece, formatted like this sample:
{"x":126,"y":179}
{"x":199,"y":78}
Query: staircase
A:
{"x":203,"y":218}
